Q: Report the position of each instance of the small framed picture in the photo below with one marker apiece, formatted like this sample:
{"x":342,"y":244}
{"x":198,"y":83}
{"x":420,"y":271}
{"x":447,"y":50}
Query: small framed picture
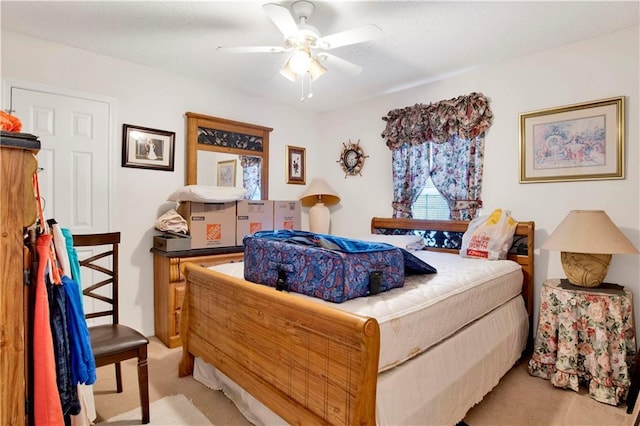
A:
{"x":227,"y":173}
{"x":574,"y":142}
{"x":146,"y":148}
{"x":296,"y":165}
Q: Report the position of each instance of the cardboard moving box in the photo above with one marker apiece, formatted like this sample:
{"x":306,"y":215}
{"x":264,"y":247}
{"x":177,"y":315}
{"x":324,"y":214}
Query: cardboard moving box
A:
{"x":210,"y":224}
{"x":286,"y":215}
{"x":253,"y":216}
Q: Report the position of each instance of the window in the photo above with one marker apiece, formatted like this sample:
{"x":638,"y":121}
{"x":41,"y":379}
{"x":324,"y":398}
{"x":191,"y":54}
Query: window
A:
{"x":452,"y":131}
{"x":430,"y":204}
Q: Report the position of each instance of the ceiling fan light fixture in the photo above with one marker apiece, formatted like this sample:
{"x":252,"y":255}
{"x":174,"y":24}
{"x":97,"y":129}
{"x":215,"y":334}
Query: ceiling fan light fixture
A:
{"x":316,"y":70}
{"x":300,"y":62}
{"x":306,"y":43}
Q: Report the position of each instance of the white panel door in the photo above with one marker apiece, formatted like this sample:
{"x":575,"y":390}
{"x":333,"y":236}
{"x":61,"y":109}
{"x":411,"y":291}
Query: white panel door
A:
{"x":74,"y":155}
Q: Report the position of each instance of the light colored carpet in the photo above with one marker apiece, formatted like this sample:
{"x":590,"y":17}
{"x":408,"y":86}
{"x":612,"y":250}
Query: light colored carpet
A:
{"x":524,"y":400}
{"x":163,"y":382}
{"x":175,"y":410}
{"x":518,"y":400}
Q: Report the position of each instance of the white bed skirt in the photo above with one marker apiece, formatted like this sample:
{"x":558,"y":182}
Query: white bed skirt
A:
{"x":437,"y":387}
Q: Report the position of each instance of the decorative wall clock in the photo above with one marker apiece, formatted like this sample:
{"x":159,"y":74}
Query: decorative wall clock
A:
{"x":352,"y":159}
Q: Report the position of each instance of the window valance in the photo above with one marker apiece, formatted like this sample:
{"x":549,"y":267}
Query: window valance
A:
{"x":466,"y":116}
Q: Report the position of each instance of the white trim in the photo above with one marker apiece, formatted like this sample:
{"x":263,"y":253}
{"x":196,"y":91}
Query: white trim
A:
{"x":9,"y":83}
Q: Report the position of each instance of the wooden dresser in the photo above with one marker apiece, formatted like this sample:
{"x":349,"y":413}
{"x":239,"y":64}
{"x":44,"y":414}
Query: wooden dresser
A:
{"x":168,"y":285}
{"x":17,"y":211}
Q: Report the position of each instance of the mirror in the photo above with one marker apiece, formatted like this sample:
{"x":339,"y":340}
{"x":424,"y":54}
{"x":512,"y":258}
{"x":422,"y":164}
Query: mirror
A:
{"x":214,"y":143}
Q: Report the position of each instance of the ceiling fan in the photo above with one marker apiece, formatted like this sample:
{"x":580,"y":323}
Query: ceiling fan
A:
{"x":306,"y":42}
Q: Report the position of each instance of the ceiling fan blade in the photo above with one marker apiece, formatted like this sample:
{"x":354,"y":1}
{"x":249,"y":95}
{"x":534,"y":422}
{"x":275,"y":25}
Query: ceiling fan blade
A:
{"x":339,"y":63}
{"x":281,"y":16}
{"x":353,"y":36}
{"x":252,"y":49}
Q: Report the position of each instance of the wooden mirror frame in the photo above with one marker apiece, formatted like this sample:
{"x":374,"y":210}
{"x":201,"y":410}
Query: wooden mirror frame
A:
{"x":195,"y":121}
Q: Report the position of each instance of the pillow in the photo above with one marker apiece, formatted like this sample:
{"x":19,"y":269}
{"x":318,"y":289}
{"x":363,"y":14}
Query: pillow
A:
{"x":207,"y":194}
{"x":408,"y":242}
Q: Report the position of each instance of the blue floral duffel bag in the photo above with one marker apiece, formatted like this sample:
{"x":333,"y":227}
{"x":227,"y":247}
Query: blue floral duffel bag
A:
{"x":324,"y":266}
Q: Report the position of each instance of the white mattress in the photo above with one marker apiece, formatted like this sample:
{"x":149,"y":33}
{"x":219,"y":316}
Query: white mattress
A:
{"x":437,"y":387}
{"x":429,"y":308}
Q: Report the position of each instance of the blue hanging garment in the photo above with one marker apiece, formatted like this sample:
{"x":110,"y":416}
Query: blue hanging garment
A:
{"x":83,"y":366}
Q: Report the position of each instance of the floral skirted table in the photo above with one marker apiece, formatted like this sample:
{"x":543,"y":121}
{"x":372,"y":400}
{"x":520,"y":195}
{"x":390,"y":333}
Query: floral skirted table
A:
{"x":585,"y":336}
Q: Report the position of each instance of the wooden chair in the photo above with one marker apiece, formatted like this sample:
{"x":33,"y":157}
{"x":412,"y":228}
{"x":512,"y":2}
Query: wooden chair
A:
{"x":112,"y":343}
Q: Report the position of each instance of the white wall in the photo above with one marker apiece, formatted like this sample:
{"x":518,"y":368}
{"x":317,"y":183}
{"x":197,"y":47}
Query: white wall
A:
{"x":155,"y":99}
{"x":589,"y":70}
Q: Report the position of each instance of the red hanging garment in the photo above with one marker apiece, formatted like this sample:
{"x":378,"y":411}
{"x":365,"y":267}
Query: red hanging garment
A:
{"x":47,"y":407}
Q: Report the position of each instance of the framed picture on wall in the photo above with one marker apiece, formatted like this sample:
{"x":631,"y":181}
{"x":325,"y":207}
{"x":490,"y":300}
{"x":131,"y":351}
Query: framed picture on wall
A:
{"x":296,"y":165}
{"x":574,"y":142}
{"x":146,"y":148}
{"x":227,"y":173}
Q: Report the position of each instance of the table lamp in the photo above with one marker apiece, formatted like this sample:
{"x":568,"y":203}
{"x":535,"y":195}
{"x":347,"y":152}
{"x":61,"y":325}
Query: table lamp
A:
{"x":586,"y":240}
{"x":318,"y":196}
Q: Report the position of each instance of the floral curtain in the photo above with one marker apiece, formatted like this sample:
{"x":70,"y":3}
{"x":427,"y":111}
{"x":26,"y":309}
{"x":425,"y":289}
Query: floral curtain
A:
{"x":410,"y":174}
{"x":455,"y":129}
{"x":251,"y":176}
{"x":456,"y":171}
{"x":466,"y":116}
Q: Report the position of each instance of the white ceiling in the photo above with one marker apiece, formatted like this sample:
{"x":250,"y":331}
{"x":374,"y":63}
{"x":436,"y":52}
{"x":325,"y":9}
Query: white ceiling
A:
{"x":421,"y":41}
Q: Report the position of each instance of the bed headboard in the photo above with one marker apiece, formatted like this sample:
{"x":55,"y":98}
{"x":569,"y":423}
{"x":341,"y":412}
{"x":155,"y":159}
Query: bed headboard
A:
{"x":446,"y":236}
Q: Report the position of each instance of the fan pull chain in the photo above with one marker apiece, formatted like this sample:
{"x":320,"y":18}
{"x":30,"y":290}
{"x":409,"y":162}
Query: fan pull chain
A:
{"x":310,"y":93}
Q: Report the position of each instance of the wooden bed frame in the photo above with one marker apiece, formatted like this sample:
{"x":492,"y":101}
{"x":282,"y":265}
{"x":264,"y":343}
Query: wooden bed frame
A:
{"x":308,"y":363}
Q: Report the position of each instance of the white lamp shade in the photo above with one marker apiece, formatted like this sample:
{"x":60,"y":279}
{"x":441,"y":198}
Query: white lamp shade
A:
{"x":316,"y":70}
{"x":300,"y":62}
{"x":286,"y":72}
{"x":318,"y":196}
{"x":589,"y":231}
{"x":319,"y":191}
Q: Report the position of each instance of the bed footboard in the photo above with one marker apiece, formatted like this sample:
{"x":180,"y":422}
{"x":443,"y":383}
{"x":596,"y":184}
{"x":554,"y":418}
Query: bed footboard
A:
{"x":308,"y":363}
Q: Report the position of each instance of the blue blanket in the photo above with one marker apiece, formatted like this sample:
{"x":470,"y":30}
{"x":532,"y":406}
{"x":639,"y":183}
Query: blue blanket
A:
{"x":412,"y":264}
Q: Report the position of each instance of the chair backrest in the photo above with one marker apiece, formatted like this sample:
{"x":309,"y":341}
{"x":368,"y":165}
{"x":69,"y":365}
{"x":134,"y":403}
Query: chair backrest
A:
{"x":103,"y":263}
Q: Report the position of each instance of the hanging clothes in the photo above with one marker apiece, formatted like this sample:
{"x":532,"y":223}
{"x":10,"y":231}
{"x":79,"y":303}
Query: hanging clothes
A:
{"x":47,"y":407}
{"x":73,"y":257}
{"x":59,"y":331}
{"x":87,"y":414}
{"x":60,"y":245}
{"x":63,"y":358}
{"x":82,"y":362}
{"x":83,"y":366}
{"x":55,"y":395}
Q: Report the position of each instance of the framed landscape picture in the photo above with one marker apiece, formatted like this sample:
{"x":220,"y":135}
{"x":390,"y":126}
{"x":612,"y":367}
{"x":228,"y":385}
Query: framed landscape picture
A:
{"x":574,"y":142}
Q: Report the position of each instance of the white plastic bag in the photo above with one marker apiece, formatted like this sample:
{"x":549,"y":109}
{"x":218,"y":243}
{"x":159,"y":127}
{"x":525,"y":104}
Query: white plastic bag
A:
{"x":489,"y":237}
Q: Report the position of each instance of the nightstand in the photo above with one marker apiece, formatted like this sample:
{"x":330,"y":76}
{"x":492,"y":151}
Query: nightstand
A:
{"x":168,"y":285}
{"x":585,"y":336}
